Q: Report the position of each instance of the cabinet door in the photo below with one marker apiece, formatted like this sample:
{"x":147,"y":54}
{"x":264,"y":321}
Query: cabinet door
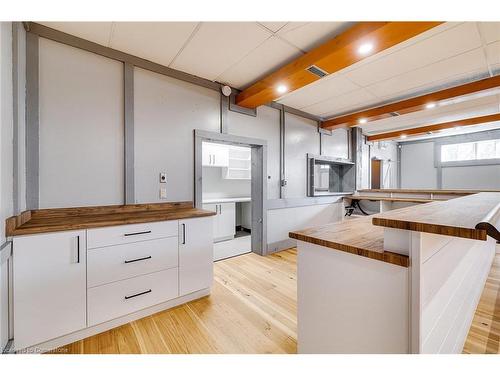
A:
{"x":49,"y":286}
{"x":196,"y":254}
{"x":220,"y":156}
{"x":227,"y":220}
{"x":215,"y":219}
{"x":206,"y":155}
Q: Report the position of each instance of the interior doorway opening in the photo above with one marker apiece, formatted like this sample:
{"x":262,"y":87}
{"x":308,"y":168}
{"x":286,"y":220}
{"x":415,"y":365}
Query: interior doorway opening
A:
{"x":230,"y":179}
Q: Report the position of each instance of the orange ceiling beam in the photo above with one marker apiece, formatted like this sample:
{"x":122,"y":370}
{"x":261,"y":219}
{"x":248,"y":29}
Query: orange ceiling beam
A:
{"x":332,"y":56}
{"x":434,"y":128}
{"x":411,"y":105}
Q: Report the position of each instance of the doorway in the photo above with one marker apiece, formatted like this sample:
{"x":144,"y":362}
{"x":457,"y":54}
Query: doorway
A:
{"x":255,"y":150}
{"x":376,"y":173}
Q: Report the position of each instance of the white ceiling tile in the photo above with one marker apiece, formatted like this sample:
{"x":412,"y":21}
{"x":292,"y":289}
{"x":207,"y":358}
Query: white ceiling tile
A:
{"x":291,"y":26}
{"x":313,"y":34}
{"x":270,"y":55}
{"x":97,"y":32}
{"x":449,"y":43}
{"x":490,"y":31}
{"x":273,"y":26}
{"x":218,"y":45}
{"x":330,"y":86}
{"x":493,"y":53}
{"x":470,"y":108}
{"x":341,"y":103}
{"x":433,"y":75}
{"x":155,"y":41}
{"x":460,"y":130}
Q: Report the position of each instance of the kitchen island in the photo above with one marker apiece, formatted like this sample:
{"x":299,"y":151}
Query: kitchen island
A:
{"x":405,"y":281}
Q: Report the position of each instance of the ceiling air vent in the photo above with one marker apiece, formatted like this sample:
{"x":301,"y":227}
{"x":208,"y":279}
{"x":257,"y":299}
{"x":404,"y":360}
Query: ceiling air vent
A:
{"x":317,"y":71}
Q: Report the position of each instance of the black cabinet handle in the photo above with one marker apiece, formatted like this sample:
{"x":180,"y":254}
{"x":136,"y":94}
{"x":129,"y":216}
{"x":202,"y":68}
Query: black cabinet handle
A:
{"x":138,"y":259}
{"x":136,"y":233}
{"x":138,"y":294}
{"x":77,"y":249}
{"x":183,"y":234}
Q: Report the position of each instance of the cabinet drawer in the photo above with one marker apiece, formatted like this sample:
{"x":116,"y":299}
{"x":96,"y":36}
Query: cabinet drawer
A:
{"x":110,"y":301}
{"x":121,"y":234}
{"x":119,"y":262}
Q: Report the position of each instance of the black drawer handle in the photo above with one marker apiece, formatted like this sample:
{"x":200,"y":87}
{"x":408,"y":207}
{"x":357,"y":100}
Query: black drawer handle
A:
{"x":137,"y":260}
{"x":138,"y":294}
{"x":136,"y":233}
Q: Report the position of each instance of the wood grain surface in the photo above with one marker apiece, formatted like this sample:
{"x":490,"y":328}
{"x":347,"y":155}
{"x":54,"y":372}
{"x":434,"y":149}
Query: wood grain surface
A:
{"x":356,"y":236}
{"x":457,"y":217}
{"x":60,"y":219}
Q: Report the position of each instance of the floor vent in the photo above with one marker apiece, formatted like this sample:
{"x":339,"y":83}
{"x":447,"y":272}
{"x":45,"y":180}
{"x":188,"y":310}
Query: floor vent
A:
{"x":317,"y":71}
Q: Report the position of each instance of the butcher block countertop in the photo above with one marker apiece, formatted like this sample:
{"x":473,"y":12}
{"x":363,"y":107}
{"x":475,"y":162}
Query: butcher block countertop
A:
{"x":60,"y":219}
{"x":473,"y":216}
{"x":356,"y":236}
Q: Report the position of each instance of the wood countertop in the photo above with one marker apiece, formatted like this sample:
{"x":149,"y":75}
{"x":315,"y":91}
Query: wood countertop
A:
{"x":427,"y":191}
{"x":356,"y":236}
{"x":61,"y":219}
{"x":390,"y":199}
{"x":472,"y":216}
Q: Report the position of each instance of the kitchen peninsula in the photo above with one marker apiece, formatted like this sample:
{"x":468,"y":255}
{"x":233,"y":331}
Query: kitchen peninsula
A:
{"x":404,"y":281}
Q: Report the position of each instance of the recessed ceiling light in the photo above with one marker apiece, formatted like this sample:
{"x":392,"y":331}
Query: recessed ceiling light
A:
{"x":365,"y":48}
{"x":403,"y":136}
{"x":282,"y":89}
{"x":362,"y":121}
{"x":430,"y":105}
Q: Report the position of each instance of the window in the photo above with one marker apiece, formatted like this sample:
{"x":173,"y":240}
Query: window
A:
{"x":480,"y":150}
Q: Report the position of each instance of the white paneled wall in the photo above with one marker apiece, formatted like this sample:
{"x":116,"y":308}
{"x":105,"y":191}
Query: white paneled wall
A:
{"x":81,"y":127}
{"x":6,"y":169}
{"x":301,"y":137}
{"x":417,"y":166}
{"x":166,"y":112}
{"x":265,"y":126}
{"x":388,"y":153}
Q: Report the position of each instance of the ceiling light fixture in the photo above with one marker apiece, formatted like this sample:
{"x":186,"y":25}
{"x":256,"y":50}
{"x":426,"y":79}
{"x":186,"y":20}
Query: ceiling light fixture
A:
{"x":362,"y":121}
{"x":430,"y":105}
{"x":282,"y":89}
{"x":403,"y":136}
{"x":365,"y":48}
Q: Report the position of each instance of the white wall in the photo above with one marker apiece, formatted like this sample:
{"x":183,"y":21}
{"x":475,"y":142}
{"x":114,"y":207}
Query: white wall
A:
{"x":266,"y":126}
{"x":166,"y":112}
{"x":418,"y":169}
{"x":389,"y":155}
{"x":282,"y":221}
{"x":472,"y":177}
{"x":417,"y":166}
{"x":214,"y":186}
{"x":6,"y":158}
{"x":336,"y":145}
{"x":301,"y":137}
{"x":81,"y":127}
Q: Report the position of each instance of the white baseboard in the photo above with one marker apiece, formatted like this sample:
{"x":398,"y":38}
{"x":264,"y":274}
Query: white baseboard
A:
{"x":90,"y":331}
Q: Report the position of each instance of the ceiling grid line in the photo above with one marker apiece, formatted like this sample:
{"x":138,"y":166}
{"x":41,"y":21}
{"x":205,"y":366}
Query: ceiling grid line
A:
{"x":190,"y":37}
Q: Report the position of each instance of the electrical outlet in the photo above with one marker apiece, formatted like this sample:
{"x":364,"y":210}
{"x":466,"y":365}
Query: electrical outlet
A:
{"x":163,"y":178}
{"x":163,"y":193}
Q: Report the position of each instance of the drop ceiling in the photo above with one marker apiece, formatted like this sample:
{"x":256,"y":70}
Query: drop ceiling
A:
{"x":240,"y":53}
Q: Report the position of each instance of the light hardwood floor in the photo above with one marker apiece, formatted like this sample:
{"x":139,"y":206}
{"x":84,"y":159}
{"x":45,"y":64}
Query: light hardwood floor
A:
{"x":252,"y":309}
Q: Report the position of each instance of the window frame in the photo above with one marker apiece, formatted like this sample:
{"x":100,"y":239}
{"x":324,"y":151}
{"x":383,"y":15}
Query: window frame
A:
{"x":470,"y":138}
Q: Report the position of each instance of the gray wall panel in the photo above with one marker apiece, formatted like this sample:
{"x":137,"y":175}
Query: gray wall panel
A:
{"x":166,"y":112}
{"x":81,"y":128}
{"x":301,"y":137}
{"x":417,"y":166}
{"x":335,"y":144}
{"x":266,"y":126}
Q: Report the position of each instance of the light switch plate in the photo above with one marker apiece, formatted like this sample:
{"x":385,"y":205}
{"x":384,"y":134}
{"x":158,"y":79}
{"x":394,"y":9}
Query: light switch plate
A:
{"x":163,"y":193}
{"x":163,"y":178}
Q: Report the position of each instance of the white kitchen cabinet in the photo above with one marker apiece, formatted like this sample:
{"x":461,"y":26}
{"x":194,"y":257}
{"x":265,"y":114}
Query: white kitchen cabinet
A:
{"x":195,"y":254}
{"x":224,"y":222}
{"x":50,"y":286}
{"x":214,"y":155}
